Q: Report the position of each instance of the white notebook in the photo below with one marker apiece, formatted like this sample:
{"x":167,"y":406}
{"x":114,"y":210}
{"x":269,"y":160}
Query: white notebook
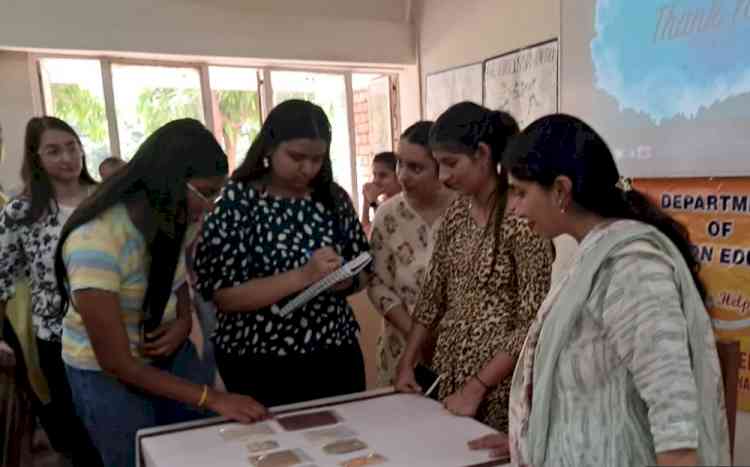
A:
{"x":350,"y":269}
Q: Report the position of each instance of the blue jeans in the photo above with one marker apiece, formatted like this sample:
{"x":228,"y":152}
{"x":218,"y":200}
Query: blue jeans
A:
{"x":113,"y":412}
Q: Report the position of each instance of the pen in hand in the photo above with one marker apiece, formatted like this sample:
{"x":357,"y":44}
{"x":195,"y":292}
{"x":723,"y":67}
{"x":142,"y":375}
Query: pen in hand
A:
{"x":321,"y":262}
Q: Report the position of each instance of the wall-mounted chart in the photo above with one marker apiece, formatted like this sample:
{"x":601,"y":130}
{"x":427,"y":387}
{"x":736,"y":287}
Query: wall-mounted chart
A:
{"x":523,"y":83}
{"x":452,"y":86}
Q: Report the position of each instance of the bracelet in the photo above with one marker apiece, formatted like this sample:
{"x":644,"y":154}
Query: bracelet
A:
{"x":204,"y":397}
{"x":486,"y":386}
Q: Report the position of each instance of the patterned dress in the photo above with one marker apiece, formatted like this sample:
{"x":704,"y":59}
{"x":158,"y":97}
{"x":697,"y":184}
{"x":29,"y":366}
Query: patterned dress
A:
{"x":251,"y":234}
{"x":402,"y":244}
{"x":28,"y":250}
{"x":483,"y":289}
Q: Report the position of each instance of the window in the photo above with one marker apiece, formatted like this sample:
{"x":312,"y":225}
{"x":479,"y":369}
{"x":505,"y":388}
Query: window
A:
{"x":372,"y":120}
{"x":115,"y":104}
{"x":147,"y":97}
{"x":236,"y":109}
{"x":73,"y":92}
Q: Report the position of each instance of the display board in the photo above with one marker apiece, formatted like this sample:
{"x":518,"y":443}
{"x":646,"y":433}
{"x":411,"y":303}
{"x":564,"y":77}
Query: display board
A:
{"x":523,"y":83}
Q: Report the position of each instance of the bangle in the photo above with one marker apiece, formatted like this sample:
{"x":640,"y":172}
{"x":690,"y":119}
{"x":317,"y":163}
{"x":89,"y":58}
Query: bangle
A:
{"x":486,"y":386}
{"x":204,"y":397}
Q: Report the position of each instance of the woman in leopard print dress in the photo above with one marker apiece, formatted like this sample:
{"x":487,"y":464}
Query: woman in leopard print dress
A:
{"x":487,"y":277}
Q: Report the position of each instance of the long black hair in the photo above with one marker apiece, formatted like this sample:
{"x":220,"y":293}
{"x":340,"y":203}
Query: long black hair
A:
{"x":37,"y":184}
{"x":562,"y":145}
{"x":460,"y":130}
{"x":294,"y":119}
{"x":465,"y":125}
{"x":158,"y":173}
{"x":291,"y":119}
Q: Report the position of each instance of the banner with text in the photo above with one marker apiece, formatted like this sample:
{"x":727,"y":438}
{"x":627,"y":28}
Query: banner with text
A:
{"x":717,"y":215}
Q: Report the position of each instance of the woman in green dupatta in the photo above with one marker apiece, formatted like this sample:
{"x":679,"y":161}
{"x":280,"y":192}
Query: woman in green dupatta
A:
{"x":620,"y":367}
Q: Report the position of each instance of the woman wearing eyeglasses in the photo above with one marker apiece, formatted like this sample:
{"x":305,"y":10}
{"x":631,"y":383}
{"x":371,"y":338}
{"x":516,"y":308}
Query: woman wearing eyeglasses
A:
{"x":120,"y":270}
{"x":55,"y":182}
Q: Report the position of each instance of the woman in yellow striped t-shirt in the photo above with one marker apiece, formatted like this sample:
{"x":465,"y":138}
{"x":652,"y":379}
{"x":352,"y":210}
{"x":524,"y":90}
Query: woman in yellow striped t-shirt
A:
{"x":120,"y":267}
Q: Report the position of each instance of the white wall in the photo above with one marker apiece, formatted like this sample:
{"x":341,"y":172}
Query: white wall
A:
{"x":451,"y":34}
{"x":227,"y":28}
{"x":458,"y":33}
{"x":16,"y":107}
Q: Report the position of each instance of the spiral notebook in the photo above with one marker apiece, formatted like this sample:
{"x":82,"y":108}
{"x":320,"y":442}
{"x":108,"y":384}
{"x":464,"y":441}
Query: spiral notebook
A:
{"x":350,"y":269}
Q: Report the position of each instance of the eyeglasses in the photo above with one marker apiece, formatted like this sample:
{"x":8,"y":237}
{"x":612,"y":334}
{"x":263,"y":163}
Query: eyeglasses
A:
{"x":208,"y":199}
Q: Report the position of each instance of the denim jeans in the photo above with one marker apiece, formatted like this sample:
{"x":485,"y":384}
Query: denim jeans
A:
{"x":65,"y":429}
{"x":113,"y":412}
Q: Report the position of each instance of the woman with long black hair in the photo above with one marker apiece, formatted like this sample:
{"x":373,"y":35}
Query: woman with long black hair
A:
{"x":487,"y":276}
{"x":120,"y":270}
{"x":620,"y":365}
{"x":281,"y":224}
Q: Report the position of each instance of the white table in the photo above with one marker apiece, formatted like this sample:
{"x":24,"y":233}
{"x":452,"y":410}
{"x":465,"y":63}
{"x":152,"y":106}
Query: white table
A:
{"x":408,"y":430}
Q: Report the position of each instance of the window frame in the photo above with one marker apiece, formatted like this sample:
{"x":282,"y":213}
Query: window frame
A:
{"x":264,"y":85}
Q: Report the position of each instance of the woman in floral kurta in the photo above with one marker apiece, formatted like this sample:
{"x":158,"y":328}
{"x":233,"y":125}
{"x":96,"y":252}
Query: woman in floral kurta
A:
{"x":402,"y":239}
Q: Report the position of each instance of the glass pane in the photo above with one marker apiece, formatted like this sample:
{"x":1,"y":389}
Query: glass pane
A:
{"x":329,"y":92}
{"x":236,"y":109}
{"x":73,"y":92}
{"x":147,"y":97}
{"x":372,"y":119}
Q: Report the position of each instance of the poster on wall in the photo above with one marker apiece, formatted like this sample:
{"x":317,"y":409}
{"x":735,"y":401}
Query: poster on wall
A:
{"x":523,"y":83}
{"x":717,"y":215}
{"x":445,"y":88}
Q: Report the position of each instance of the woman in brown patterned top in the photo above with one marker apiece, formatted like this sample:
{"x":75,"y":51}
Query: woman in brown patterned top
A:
{"x":488,"y":274}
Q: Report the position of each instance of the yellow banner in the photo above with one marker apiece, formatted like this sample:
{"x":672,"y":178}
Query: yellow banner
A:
{"x":717,"y":215}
